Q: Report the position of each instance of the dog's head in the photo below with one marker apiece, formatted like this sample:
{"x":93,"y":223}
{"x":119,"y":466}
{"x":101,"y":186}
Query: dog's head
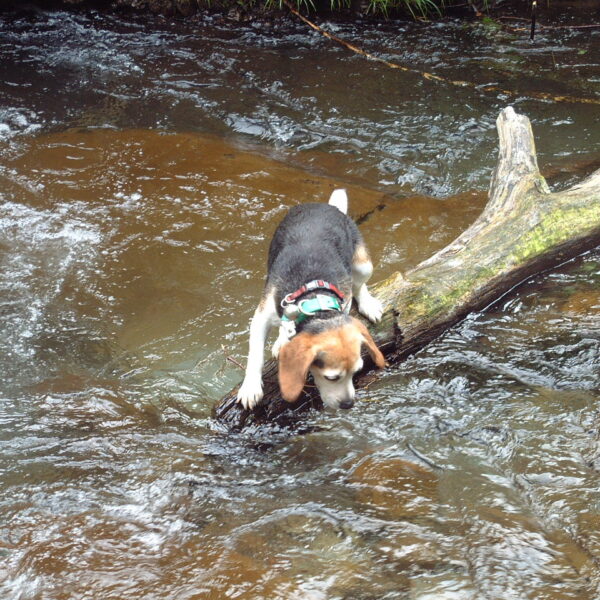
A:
{"x":332,"y":355}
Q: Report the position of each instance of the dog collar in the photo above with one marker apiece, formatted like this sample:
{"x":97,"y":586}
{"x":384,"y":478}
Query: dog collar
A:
{"x":307,"y":308}
{"x":316,"y":284}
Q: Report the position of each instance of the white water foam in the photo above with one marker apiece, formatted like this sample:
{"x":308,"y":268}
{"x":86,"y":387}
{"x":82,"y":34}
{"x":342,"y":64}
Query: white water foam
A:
{"x":41,"y":250}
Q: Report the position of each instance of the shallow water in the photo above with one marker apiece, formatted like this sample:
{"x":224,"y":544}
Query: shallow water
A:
{"x":143,"y":167}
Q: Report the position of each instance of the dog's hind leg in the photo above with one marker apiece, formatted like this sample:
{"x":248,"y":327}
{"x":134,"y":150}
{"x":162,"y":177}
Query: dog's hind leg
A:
{"x":362,"y":269}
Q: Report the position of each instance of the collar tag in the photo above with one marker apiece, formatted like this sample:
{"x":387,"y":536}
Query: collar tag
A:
{"x":291,"y":312}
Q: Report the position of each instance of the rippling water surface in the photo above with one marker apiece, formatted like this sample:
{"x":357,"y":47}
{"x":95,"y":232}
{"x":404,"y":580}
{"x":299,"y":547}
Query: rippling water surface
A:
{"x":143,"y":167}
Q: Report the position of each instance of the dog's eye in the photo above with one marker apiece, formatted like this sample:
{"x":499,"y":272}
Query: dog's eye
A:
{"x":332,"y":377}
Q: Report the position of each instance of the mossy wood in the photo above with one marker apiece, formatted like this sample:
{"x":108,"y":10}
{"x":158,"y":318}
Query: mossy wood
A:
{"x":523,"y":230}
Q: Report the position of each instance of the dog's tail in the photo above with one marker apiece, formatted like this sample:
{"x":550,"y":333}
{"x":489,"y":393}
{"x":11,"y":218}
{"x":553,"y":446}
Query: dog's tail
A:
{"x":339,"y":199}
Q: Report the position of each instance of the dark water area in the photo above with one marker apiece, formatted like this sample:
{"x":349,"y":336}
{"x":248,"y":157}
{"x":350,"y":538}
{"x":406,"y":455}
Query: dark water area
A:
{"x":144,"y":165}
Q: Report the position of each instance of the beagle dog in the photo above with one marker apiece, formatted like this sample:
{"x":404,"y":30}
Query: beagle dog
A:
{"x":317,"y":263}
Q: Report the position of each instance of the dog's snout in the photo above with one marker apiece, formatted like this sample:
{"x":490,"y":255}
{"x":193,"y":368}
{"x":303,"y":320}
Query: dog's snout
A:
{"x":346,"y":404}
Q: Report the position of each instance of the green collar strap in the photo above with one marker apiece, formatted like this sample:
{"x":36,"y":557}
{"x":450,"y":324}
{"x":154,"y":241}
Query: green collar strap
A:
{"x":307,"y":308}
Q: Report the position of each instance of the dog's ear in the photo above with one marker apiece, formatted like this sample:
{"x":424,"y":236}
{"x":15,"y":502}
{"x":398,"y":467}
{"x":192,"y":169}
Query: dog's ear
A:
{"x":295,"y":359}
{"x":369,"y":342}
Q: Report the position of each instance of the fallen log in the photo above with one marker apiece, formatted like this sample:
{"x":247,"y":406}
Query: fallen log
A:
{"x":524,"y":229}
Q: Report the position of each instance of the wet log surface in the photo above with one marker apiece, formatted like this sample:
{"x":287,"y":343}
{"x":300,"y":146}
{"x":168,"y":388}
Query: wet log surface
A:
{"x":524,"y":230}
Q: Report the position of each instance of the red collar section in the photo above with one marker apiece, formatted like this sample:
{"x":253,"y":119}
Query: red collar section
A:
{"x":316,"y":284}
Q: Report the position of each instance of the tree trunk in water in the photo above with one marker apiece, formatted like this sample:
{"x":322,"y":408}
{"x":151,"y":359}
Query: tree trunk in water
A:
{"x":523,"y":230}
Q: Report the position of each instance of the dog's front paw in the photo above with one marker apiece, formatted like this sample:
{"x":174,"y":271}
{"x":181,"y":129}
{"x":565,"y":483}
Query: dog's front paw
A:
{"x":370,"y":307}
{"x":250,"y":393}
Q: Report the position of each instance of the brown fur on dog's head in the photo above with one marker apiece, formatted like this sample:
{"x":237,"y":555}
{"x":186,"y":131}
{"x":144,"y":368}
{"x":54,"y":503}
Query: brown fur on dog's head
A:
{"x":332,"y":355}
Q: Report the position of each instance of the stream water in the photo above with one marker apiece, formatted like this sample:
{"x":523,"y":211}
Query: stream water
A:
{"x":144,"y":165}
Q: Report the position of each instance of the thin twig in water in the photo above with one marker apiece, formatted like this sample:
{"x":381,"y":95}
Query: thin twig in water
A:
{"x":235,"y":362}
{"x":422,"y":457}
{"x":240,"y":366}
{"x":541,"y":26}
{"x":485,"y":88}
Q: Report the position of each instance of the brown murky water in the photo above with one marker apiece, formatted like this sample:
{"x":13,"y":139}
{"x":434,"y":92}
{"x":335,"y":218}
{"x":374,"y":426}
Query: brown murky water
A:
{"x":143,"y":167}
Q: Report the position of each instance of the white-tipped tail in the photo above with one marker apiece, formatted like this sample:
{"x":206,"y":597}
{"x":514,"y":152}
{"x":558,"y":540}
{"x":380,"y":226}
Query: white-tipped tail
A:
{"x":339,"y":199}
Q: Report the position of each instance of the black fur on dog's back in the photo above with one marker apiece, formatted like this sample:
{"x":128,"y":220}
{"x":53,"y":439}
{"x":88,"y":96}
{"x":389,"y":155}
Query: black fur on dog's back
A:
{"x":314,"y":241}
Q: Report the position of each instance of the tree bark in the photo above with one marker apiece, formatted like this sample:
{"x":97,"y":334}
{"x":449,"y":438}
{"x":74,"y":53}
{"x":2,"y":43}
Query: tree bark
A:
{"x":523,"y":230}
